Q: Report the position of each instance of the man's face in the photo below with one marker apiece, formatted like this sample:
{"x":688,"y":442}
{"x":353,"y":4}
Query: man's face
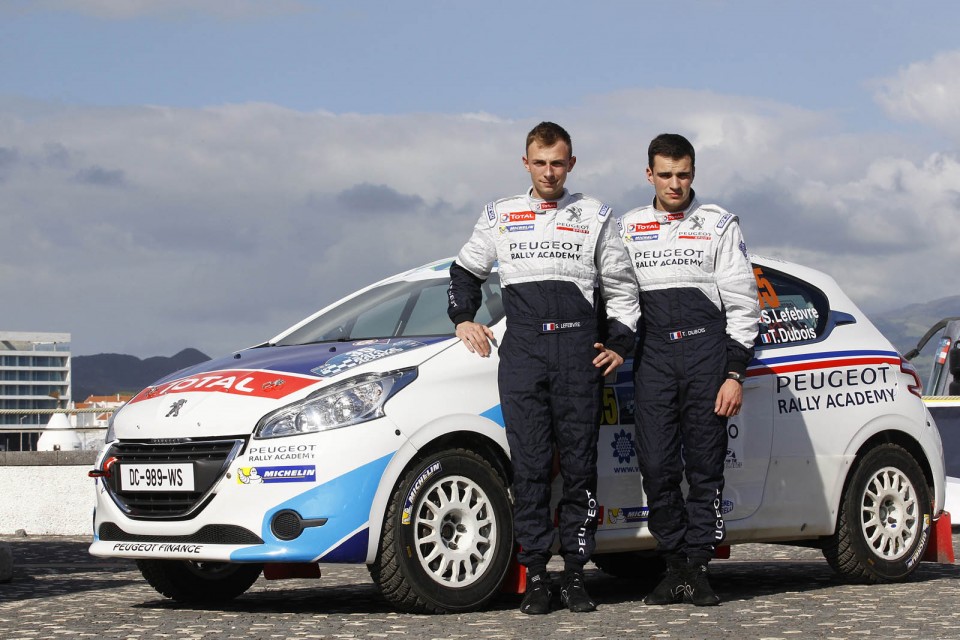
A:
{"x":548,"y":167}
{"x":671,"y":179}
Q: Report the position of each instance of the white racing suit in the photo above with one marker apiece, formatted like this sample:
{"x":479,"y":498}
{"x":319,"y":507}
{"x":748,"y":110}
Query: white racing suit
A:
{"x":554,"y":258}
{"x":698,"y":298}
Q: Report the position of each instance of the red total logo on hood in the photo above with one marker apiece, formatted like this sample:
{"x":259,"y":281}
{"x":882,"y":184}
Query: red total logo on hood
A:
{"x":257,"y":384}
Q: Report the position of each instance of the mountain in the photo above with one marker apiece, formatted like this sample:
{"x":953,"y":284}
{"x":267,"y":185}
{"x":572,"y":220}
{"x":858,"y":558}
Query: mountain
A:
{"x":110,"y":373}
{"x":906,"y":325}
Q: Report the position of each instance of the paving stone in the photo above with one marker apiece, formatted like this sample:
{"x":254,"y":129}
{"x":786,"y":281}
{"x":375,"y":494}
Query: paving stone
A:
{"x":60,"y":591}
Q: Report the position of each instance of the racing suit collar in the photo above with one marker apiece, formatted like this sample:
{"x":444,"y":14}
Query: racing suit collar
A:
{"x":543,"y":206}
{"x":664,"y":217}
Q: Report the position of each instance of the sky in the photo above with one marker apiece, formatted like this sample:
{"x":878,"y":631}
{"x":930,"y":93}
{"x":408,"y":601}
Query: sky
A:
{"x":205,"y":173}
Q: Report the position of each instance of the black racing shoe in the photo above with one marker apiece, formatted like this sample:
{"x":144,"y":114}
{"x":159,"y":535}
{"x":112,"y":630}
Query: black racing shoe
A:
{"x":698,"y":589}
{"x":671,"y":587}
{"x":536,"y":600}
{"x":573,"y":595}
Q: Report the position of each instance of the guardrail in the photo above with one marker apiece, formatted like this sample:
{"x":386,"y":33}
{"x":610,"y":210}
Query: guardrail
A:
{"x":29,"y":434}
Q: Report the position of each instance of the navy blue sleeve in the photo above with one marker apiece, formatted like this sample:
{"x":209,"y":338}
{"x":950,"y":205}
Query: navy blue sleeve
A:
{"x":463,"y":295}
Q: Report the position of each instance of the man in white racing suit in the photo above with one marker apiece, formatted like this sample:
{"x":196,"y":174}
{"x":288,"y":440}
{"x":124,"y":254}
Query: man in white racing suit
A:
{"x":698,"y":300}
{"x":558,"y":254}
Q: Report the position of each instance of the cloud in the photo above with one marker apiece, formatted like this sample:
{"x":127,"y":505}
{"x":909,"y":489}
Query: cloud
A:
{"x":927,"y":92}
{"x":376,"y":198}
{"x":99,"y":176}
{"x":145,"y":230}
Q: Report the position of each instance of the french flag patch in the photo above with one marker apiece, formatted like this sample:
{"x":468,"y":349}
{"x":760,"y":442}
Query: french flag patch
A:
{"x":549,"y":326}
{"x":676,"y":335}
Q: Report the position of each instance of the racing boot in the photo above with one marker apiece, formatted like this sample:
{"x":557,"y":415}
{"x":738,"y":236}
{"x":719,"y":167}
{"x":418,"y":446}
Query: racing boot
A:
{"x":674,"y":583}
{"x":698,"y":590}
{"x":573,"y":595}
{"x":536,"y":600}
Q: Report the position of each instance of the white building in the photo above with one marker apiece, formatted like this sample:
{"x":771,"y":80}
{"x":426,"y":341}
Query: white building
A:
{"x":34,"y":375}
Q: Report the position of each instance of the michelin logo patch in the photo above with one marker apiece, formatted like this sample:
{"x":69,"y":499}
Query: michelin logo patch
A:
{"x":270,"y":475}
{"x":415,"y":489}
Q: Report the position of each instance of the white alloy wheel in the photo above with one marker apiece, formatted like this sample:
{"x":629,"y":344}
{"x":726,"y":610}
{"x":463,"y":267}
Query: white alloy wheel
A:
{"x":455,"y":530}
{"x":890,"y":516}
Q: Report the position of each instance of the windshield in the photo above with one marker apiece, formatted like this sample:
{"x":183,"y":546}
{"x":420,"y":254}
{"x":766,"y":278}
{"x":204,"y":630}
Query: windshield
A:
{"x":417,"y":308}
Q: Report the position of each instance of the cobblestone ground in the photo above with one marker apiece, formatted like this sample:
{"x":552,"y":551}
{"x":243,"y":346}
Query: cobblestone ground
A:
{"x":59,"y":591}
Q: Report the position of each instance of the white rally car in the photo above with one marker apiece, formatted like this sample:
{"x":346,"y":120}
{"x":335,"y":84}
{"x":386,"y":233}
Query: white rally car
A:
{"x":368,"y":433}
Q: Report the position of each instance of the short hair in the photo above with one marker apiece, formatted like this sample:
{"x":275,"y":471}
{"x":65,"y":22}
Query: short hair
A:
{"x":549,"y":134}
{"x":671,"y":145}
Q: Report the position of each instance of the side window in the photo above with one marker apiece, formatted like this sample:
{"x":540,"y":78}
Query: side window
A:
{"x":791,"y":311}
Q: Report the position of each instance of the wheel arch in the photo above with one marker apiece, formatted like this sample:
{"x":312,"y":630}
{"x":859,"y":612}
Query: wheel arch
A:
{"x":889,"y":435}
{"x":487,"y":440}
{"x":903,"y":439}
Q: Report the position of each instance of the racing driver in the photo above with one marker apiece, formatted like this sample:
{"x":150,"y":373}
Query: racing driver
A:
{"x":558,"y":254}
{"x":699,"y":319}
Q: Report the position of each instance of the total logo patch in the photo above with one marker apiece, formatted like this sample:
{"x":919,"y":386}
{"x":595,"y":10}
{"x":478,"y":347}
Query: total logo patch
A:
{"x":271,"y":475}
{"x":518,"y":216}
{"x":640,"y":227}
{"x":260,"y":384}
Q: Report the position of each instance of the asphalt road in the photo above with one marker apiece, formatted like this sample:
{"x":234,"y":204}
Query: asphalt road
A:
{"x":768,"y":591}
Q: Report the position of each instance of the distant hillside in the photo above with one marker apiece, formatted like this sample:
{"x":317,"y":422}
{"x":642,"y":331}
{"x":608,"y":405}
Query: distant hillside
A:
{"x":904,"y":326}
{"x":110,"y":373}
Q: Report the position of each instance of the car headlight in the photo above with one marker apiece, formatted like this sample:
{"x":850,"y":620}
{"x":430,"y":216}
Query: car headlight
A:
{"x":350,"y":402}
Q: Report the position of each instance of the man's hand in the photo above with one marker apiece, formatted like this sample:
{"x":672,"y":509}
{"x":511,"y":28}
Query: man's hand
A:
{"x":476,"y":336}
{"x":607,"y":358}
{"x":729,"y":400}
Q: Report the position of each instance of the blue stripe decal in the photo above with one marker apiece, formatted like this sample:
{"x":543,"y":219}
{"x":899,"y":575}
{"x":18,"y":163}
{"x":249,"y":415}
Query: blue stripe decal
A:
{"x":823,"y":355}
{"x":495,"y":414}
{"x":354,"y":549}
{"x":344,"y":501}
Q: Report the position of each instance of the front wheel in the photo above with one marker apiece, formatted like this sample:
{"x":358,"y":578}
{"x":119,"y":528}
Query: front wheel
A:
{"x":447,"y":535}
{"x":199,"y":582}
{"x":884,"y":520}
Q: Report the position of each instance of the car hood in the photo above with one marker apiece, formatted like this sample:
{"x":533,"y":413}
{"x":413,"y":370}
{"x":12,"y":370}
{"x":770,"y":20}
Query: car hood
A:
{"x":228,"y":396}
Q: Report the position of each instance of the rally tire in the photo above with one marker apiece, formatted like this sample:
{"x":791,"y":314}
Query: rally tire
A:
{"x":884,"y":518}
{"x":447,"y":537}
{"x":199,"y":582}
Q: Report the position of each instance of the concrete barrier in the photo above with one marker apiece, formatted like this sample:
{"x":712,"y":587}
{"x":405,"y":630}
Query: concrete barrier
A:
{"x":47,"y":492}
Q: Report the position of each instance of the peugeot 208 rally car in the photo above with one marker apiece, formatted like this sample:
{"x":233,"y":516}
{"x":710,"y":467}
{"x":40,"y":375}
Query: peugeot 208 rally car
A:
{"x":367,"y":434}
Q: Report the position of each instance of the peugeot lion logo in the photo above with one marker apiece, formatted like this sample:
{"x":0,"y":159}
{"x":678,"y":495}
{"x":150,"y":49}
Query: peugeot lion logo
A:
{"x":175,"y":408}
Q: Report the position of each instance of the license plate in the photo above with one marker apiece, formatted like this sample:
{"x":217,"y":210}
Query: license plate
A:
{"x":156,"y":477}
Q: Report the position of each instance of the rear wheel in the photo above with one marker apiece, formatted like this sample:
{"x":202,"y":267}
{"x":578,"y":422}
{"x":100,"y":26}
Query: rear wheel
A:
{"x":447,"y":536}
{"x":199,"y":582}
{"x":884,"y":519}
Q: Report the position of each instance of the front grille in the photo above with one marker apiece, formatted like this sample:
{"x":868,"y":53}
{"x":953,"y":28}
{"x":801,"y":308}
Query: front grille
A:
{"x":210,"y":459}
{"x":209,"y":534}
